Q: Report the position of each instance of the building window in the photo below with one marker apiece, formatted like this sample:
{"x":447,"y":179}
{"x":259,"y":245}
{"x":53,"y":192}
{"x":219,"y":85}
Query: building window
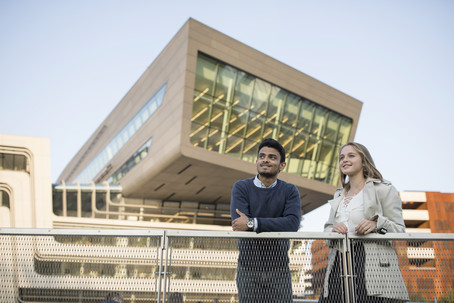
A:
{"x":126,"y":133}
{"x":234,"y":111}
{"x":442,"y":225}
{"x":4,"y":199}
{"x":14,"y":162}
{"x":65,"y":200}
{"x":449,"y":206}
{"x":135,"y":159}
{"x":57,"y":200}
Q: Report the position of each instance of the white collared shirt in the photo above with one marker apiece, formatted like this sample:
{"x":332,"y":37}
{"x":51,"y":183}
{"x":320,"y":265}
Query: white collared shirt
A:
{"x":260,"y":184}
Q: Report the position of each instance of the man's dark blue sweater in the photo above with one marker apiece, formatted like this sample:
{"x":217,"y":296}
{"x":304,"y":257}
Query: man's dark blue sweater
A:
{"x":276,"y":209}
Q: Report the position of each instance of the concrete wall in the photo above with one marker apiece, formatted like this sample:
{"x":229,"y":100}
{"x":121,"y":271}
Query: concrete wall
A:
{"x":31,"y":191}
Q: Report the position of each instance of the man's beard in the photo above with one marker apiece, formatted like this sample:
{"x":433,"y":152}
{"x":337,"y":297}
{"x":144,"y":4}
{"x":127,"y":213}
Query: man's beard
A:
{"x":268,"y":174}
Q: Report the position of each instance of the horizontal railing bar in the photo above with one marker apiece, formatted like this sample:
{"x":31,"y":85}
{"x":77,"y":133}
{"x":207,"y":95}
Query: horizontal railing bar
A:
{"x":403,"y":236}
{"x":170,"y":233}
{"x":81,"y":232}
{"x":224,"y":234}
{"x":245,"y":234}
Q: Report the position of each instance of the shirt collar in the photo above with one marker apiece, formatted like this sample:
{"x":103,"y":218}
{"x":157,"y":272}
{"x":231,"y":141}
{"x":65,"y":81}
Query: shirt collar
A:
{"x":260,"y":184}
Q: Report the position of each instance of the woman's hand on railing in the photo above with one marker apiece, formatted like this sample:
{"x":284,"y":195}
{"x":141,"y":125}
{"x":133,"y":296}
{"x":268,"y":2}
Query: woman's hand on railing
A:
{"x":340,"y":228}
{"x":366,"y":227}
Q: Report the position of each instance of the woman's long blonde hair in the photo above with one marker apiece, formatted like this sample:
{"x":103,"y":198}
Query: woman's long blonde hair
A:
{"x":369,"y":169}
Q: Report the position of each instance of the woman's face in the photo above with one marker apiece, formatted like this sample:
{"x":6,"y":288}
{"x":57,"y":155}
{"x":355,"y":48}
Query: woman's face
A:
{"x":350,"y":161}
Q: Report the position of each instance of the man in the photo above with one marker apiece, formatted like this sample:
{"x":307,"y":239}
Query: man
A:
{"x":265,"y":204}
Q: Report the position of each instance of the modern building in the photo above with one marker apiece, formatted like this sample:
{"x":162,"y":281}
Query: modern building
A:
{"x":166,"y":158}
{"x":190,"y":127}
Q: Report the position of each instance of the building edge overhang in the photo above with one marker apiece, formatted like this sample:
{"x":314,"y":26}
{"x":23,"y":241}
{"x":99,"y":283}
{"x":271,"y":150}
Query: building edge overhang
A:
{"x":215,"y":173}
{"x":313,"y":193}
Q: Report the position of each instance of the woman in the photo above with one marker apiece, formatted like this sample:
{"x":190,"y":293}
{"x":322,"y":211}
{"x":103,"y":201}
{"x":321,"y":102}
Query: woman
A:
{"x":366,"y":203}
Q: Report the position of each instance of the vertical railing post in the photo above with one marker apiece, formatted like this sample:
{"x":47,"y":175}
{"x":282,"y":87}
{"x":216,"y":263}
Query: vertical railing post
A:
{"x":166,"y":266}
{"x":160,"y":271}
{"x":346,"y":266}
{"x":352,"y":272}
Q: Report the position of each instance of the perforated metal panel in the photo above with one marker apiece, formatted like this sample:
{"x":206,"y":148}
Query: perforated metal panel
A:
{"x":207,"y":269}
{"x":183,"y":266}
{"x":62,"y":268}
{"x":415,"y":268}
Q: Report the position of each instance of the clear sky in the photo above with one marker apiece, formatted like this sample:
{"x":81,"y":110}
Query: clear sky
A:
{"x":64,"y":65}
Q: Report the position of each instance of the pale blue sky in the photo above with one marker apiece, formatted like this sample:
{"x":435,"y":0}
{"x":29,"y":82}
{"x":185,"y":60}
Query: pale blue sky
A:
{"x":64,"y":65}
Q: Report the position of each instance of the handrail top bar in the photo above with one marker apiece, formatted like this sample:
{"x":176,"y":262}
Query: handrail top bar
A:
{"x":170,"y":233}
{"x":264,"y":235}
{"x":223,"y":234}
{"x":403,"y":236}
{"x":82,"y":232}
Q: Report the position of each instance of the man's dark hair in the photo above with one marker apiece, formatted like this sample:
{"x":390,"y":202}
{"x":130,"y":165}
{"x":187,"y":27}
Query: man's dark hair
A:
{"x":269,"y":142}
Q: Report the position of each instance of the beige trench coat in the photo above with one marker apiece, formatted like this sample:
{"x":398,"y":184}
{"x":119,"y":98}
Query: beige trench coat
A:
{"x":382,"y":274}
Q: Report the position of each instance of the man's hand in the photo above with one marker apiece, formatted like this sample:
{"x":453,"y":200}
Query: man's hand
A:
{"x":239,"y":224}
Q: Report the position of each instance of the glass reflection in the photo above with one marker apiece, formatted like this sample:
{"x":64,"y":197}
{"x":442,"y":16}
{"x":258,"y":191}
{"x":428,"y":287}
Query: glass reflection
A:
{"x":234,"y":111}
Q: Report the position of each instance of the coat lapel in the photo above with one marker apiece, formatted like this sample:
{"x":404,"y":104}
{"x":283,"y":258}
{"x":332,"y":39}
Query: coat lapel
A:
{"x":335,"y":203}
{"x":371,"y":207}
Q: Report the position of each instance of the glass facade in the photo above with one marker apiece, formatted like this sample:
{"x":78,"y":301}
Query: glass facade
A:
{"x":233,"y":111}
{"x":135,"y":159}
{"x":123,"y":136}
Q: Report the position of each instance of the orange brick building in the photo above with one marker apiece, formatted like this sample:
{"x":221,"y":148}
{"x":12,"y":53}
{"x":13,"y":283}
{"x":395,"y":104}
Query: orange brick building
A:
{"x":429,"y":266}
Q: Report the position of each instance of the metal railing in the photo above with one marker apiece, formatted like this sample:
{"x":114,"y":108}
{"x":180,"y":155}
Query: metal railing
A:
{"x":82,"y":265}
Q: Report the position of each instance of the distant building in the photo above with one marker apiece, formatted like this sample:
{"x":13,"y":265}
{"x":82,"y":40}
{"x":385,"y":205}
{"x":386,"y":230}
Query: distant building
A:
{"x":428,"y":212}
{"x":25,"y":183}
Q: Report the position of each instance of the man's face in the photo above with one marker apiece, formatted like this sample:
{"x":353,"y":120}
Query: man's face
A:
{"x":268,"y":162}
